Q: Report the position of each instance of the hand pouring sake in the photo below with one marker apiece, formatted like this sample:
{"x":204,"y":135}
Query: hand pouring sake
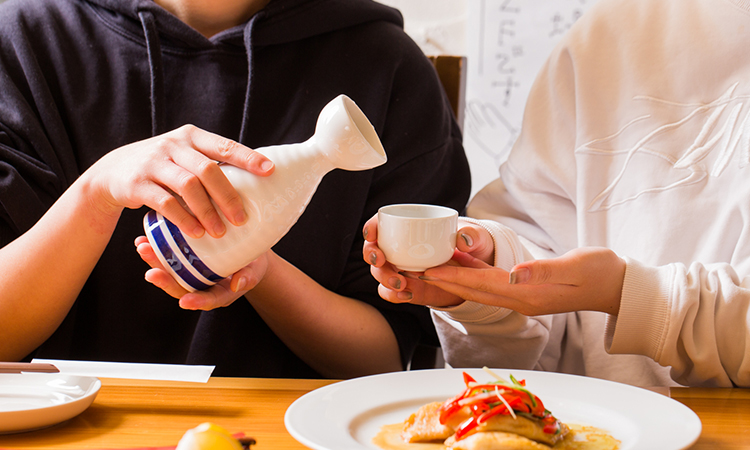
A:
{"x":343,"y":139}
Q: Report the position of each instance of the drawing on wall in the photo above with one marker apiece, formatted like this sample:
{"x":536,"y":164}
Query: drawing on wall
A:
{"x":507,"y":43}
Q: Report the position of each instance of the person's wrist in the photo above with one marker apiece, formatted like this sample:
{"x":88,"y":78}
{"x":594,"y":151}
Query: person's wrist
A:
{"x":612,"y":306}
{"x":95,"y":199}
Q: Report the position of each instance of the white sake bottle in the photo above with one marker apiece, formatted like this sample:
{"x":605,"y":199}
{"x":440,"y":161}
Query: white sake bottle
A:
{"x":343,"y":139}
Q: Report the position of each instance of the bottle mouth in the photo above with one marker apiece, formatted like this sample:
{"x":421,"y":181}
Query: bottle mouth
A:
{"x":347,"y":137}
{"x":364,"y":127}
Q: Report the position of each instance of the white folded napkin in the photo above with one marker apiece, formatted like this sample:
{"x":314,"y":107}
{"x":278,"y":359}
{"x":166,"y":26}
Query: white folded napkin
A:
{"x":140,"y":371}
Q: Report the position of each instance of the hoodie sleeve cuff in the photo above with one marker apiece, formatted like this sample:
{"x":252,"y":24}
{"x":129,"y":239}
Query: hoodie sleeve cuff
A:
{"x":508,"y":248}
{"x":472,"y":312}
{"x":641,"y":324}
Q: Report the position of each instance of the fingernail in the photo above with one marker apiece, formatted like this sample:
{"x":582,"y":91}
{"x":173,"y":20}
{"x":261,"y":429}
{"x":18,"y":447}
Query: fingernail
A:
{"x":373,"y":259}
{"x":241,"y":217}
{"x":519,"y":276}
{"x":426,"y":278}
{"x":220,"y":229}
{"x":404,"y":295}
{"x":198,"y":231}
{"x":192,"y":306}
{"x":469,"y":241}
{"x":364,"y":233}
{"x":413,"y":276}
{"x":241,"y":284}
{"x":395,"y":283}
{"x":266,"y":166}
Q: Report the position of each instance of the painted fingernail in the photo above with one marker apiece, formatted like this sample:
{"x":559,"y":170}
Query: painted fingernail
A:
{"x":364,"y":233}
{"x":469,"y":241}
{"x":404,"y":295}
{"x":413,"y":276}
{"x":373,"y":258}
{"x":426,"y":278}
{"x":519,"y":276}
{"x":395,"y":283}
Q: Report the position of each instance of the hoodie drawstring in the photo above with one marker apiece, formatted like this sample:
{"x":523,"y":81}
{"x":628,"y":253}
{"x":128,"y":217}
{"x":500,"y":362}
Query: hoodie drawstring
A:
{"x":248,"y":39}
{"x":158,"y":101}
{"x":155,"y":66}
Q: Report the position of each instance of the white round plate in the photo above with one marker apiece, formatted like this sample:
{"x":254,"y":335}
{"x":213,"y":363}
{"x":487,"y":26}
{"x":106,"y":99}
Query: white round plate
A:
{"x":29,"y":401}
{"x":348,"y":414}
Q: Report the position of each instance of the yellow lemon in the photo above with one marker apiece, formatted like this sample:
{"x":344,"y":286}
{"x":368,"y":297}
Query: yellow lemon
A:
{"x":208,"y":436}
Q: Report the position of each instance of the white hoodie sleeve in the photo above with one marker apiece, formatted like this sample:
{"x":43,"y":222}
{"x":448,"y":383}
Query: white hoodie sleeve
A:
{"x":693,"y":319}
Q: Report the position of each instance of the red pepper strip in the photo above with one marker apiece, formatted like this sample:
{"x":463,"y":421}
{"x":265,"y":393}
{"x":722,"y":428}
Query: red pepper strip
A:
{"x":515,"y":398}
{"x":551,"y":428}
{"x":467,"y":426}
{"x":499,"y":409}
{"x":539,"y":409}
{"x":534,"y":404}
{"x":523,"y":407}
{"x":476,"y":407}
{"x":531,"y":403}
{"x":480,"y":408}
{"x":451,"y":406}
{"x":448,"y":409}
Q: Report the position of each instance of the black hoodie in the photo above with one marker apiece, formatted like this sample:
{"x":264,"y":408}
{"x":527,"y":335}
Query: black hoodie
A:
{"x":80,"y":78}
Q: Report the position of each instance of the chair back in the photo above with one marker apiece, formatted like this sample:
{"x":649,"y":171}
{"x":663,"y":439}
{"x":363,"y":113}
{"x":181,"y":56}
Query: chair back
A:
{"x":452,"y":73}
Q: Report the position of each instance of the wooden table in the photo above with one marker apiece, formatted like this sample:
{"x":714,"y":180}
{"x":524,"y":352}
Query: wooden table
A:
{"x":134,"y":414}
{"x":725,"y":414}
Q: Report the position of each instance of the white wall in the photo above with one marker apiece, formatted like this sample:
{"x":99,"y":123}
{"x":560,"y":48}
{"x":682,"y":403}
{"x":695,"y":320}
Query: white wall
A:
{"x":438,"y":26}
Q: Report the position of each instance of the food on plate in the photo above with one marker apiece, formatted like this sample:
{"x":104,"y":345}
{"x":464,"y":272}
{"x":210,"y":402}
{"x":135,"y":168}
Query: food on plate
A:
{"x":482,"y":407}
{"x":209,"y":436}
{"x":497,"y":415}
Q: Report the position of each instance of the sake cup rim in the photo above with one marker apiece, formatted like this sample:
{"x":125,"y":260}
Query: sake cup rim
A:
{"x":416,"y":211}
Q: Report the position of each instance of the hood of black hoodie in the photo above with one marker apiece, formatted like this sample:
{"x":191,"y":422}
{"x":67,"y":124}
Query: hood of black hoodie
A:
{"x":281,"y":21}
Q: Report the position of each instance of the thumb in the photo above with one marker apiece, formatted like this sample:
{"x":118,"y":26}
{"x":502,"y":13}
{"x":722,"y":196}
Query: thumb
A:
{"x":476,"y":241}
{"x":543,"y":271}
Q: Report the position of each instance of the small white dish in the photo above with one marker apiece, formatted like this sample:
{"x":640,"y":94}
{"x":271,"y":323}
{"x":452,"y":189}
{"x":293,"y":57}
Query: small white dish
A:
{"x":348,"y":414}
{"x":30,"y":401}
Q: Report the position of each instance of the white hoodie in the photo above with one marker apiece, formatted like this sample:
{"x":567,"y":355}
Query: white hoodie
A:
{"x":636,"y":137}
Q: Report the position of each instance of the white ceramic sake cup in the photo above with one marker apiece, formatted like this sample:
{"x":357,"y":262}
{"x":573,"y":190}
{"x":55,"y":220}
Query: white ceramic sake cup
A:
{"x":415,"y":237}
